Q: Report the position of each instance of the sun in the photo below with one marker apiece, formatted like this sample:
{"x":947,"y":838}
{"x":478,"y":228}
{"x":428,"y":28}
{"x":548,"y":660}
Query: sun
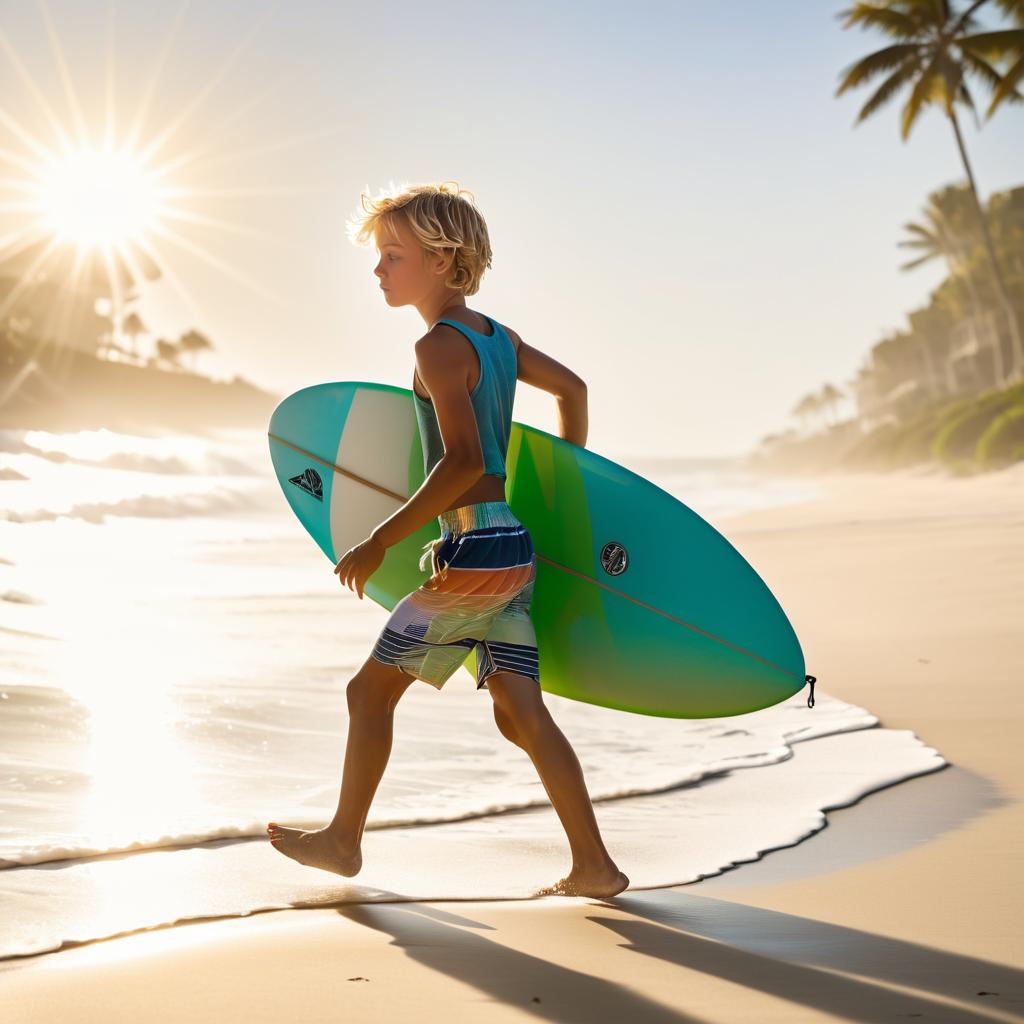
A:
{"x":97,"y":198}
{"x":87,"y":207}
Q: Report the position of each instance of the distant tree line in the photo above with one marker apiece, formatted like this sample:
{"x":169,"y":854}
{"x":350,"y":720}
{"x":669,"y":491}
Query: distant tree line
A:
{"x":961,"y":356}
{"x":52,"y":298}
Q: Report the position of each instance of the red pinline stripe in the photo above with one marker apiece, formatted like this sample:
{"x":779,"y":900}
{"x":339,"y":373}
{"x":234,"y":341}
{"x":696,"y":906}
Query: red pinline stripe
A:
{"x":343,"y":472}
{"x":668,"y":615}
{"x":563,"y":568}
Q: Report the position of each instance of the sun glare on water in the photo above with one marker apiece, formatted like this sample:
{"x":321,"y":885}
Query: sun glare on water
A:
{"x":97,"y":198}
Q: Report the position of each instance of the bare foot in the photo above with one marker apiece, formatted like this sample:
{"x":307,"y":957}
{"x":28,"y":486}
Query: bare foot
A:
{"x":594,"y":883}
{"x":319,"y":849}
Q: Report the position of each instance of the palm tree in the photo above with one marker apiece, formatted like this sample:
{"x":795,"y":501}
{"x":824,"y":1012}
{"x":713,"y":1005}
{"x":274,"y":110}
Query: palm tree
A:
{"x":944,"y":232}
{"x":949,"y":232}
{"x":133,"y":327}
{"x":829,"y":396}
{"x":935,"y":52}
{"x":807,"y":408}
{"x":193,"y":342}
{"x":167,"y":352}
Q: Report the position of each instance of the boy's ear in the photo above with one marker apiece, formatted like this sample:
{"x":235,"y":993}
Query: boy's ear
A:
{"x":443,"y":261}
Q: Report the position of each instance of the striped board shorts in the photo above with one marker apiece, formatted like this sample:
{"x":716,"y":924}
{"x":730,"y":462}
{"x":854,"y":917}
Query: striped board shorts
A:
{"x":478,"y":596}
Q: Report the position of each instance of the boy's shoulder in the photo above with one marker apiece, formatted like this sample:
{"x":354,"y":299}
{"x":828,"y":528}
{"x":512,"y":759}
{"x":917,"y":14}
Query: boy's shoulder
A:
{"x":516,"y":340}
{"x":444,"y":336}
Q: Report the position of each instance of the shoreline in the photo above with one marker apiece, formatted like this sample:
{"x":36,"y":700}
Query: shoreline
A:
{"x":904,"y":586}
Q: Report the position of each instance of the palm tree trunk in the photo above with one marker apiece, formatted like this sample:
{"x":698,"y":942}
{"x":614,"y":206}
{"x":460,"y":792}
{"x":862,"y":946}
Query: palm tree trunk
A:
{"x":977,"y":311}
{"x":1004,"y":299}
{"x":929,"y":367}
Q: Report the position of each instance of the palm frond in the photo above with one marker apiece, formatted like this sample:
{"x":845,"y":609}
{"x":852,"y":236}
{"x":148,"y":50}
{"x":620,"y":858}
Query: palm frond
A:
{"x":918,"y":244}
{"x":886,"y":91}
{"x":965,"y":21}
{"x":922,"y":94}
{"x":982,"y":69}
{"x":889,"y":20}
{"x":926,"y":236}
{"x":1013,"y":9}
{"x":912,"y":264}
{"x":994,"y":45}
{"x":1006,"y":91}
{"x":875,"y":63}
{"x":1003,"y":85}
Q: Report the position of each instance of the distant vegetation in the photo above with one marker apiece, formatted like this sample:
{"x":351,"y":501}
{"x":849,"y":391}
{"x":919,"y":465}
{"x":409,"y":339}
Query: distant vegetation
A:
{"x":71,"y":357}
{"x":65,"y":365}
{"x":970,"y":434}
{"x":947,"y":388}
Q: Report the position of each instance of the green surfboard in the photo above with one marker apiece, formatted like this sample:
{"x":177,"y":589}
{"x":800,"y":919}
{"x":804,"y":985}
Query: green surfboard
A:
{"x":639,"y":603}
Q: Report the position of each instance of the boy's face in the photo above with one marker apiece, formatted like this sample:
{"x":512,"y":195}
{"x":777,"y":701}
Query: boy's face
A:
{"x":403,"y":269}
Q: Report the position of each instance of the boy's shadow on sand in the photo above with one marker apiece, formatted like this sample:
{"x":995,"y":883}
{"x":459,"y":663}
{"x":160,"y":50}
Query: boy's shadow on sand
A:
{"x":844,"y":972}
{"x":782,"y":955}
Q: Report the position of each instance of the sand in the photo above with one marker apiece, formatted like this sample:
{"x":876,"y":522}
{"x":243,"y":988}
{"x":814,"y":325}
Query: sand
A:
{"x":906,"y":592}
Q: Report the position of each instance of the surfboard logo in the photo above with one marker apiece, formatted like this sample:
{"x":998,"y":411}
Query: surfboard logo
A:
{"x":614,"y":558}
{"x":309,"y":480}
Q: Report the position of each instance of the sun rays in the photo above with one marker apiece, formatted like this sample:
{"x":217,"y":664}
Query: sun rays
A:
{"x":77,"y":203}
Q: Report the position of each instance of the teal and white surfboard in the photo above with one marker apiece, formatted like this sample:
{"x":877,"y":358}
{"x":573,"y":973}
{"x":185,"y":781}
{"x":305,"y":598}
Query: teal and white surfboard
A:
{"x":639,"y":603}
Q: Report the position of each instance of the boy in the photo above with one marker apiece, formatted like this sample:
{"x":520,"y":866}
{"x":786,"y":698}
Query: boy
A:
{"x":434,"y":249}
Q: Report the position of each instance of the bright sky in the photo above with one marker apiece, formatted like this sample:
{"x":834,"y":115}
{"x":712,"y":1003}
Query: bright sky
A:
{"x":680,"y":210}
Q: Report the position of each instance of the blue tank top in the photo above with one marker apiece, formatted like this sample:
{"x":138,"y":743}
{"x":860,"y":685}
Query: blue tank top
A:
{"x":492,"y":400}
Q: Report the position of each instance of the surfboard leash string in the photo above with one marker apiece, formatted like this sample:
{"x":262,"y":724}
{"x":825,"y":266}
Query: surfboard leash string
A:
{"x":810,"y":697}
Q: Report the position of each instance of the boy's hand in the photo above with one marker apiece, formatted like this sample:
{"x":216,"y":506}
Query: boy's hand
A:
{"x":358,"y":564}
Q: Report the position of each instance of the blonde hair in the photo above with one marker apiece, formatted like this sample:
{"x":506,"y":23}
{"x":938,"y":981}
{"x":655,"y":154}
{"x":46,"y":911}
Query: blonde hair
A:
{"x":441,"y":219}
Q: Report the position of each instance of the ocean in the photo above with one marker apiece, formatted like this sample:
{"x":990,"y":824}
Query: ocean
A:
{"x":174,"y":652}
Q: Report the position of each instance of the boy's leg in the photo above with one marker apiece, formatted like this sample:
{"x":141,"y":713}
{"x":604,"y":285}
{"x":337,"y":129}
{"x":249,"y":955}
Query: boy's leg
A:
{"x":372,"y":694}
{"x":523,"y":718}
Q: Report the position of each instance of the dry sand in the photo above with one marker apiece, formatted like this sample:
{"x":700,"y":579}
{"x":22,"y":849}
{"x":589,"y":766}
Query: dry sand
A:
{"x":906,"y":592}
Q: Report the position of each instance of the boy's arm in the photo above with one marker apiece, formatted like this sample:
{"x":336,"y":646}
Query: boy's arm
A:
{"x":570,"y":390}
{"x":463,"y":461}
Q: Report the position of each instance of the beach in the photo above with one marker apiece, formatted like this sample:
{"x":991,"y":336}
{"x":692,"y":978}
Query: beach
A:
{"x":764,"y":466}
{"x":905,"y":591}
